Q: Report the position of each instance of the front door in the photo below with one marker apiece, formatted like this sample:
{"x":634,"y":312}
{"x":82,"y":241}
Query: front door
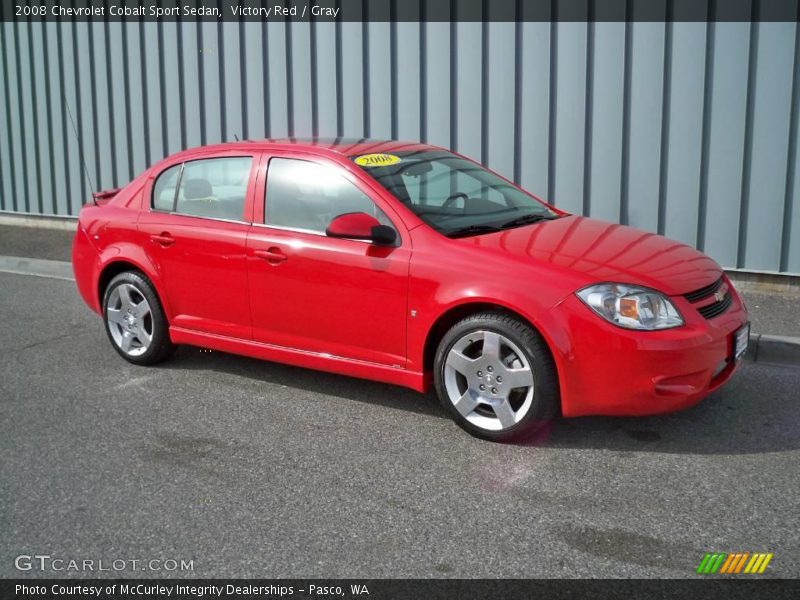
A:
{"x":340,"y":297}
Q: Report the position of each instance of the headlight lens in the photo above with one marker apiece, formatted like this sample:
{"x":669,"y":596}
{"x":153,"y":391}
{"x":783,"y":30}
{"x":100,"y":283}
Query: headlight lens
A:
{"x":630,"y":306}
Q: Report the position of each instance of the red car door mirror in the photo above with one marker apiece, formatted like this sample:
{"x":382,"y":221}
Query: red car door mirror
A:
{"x":361,"y":226}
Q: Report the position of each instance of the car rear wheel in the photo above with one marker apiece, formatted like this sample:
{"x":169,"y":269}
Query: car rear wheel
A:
{"x":135,"y":320}
{"x":494,"y":374}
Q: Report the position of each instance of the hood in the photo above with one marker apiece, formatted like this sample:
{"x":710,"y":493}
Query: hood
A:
{"x":603,"y":251}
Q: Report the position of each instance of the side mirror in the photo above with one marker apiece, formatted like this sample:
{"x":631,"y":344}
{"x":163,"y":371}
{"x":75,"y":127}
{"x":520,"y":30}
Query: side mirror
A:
{"x":361,"y":226}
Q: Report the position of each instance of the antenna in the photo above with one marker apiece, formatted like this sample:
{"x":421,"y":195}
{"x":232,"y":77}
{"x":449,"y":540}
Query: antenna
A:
{"x":236,"y":137}
{"x":80,"y":150}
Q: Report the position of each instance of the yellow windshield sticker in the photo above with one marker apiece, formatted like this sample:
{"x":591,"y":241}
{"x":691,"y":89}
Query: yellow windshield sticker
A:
{"x":377,"y":160}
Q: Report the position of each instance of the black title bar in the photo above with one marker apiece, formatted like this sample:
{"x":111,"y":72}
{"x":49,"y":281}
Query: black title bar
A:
{"x":399,"y":10}
{"x":710,"y":588}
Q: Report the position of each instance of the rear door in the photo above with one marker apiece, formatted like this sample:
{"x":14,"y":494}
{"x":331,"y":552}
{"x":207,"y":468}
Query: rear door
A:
{"x":195,"y":232}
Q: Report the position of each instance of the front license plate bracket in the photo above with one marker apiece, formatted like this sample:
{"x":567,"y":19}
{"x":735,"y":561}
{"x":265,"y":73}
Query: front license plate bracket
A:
{"x":741,"y":339}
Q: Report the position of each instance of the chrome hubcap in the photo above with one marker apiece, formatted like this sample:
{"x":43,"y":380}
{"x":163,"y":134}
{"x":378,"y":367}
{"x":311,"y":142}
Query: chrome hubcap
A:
{"x":489,"y":380}
{"x":130,"y":320}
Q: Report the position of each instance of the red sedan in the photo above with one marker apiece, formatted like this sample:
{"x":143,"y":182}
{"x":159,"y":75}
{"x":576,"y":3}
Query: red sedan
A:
{"x":412,"y":265}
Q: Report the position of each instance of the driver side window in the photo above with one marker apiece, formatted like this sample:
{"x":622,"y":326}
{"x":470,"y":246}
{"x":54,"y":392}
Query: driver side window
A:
{"x":307,"y":196}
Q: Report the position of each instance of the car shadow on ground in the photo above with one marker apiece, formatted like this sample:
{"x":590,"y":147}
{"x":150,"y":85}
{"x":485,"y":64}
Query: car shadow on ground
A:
{"x":738,"y":419}
{"x":317,"y":382}
{"x":756,"y":412}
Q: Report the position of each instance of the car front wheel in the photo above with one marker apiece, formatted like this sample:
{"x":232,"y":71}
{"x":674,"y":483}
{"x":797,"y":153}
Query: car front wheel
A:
{"x":495,"y":376}
{"x":135,"y":320}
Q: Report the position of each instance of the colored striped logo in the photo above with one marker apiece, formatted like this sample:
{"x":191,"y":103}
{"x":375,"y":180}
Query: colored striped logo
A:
{"x":734,"y":563}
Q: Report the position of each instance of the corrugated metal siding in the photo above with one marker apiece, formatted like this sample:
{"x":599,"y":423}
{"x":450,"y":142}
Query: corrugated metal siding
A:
{"x":687,"y":129}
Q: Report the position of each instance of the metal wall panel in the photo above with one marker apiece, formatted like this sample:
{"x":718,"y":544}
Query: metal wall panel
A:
{"x":328,"y":81}
{"x":408,"y":86}
{"x":687,"y":129}
{"x":645,"y":126}
{"x":468,"y":101}
{"x":67,"y":149}
{"x":680,"y":197}
{"x":26,"y":82}
{"x":437,"y":84}
{"x":6,"y":165}
{"x":763,"y":196}
{"x":569,"y":137}
{"x":533,"y":115}
{"x":605,"y":104}
{"x":727,"y":95}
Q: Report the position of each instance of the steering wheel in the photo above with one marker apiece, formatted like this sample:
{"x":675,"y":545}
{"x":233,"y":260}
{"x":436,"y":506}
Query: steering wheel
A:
{"x":453,"y":197}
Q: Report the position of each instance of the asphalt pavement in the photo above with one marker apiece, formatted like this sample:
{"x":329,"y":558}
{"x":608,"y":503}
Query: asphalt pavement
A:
{"x":254,"y":469}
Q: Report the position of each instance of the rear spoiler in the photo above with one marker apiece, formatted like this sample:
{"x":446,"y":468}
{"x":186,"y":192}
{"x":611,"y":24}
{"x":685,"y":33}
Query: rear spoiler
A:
{"x":105,"y":194}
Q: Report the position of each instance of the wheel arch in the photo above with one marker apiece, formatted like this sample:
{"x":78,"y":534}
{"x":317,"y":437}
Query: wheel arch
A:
{"x":460,"y":311}
{"x":121,"y":264}
{"x":108,"y":273}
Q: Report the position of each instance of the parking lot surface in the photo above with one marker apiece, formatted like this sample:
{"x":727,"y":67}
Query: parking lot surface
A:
{"x":253,"y":469}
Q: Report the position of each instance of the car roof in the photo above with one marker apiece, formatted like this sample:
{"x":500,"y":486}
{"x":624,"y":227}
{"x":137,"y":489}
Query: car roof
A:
{"x":339,"y":145}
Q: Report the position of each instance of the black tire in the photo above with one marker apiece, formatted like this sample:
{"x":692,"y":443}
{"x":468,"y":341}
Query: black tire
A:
{"x":545,"y":403}
{"x":160,"y":347}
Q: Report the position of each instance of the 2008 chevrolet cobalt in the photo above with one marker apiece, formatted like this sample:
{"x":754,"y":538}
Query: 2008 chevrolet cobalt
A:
{"x":412,"y":265}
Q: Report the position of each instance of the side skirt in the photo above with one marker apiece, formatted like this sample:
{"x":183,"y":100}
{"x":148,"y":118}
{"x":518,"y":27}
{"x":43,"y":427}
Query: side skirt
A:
{"x":300,"y":358}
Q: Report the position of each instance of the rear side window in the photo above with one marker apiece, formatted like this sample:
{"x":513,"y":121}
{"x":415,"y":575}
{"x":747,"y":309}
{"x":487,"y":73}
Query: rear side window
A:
{"x":214,"y":187}
{"x":307,"y":195}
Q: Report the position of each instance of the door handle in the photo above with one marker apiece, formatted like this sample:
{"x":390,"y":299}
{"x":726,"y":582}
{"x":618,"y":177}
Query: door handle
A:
{"x":272,"y":255}
{"x":163,"y":239}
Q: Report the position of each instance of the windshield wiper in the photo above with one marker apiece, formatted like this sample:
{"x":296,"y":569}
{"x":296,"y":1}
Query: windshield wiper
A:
{"x":527,"y":220}
{"x":471,"y":230}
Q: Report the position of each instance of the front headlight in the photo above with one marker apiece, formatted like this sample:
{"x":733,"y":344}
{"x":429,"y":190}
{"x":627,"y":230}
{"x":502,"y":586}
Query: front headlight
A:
{"x":630,"y":306}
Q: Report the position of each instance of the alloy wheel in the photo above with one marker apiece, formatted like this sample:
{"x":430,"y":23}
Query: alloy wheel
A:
{"x":130,"y":319}
{"x":489,"y":380}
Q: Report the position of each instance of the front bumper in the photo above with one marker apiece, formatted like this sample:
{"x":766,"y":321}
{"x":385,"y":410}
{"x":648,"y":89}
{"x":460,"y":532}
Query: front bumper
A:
{"x":609,"y":370}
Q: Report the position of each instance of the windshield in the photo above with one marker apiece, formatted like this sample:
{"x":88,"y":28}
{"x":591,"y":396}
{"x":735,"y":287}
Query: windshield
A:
{"x":451,"y":194}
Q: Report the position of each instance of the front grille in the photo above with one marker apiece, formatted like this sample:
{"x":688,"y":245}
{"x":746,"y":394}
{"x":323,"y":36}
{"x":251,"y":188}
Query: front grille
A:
{"x":703,"y":292}
{"x":709,"y":311}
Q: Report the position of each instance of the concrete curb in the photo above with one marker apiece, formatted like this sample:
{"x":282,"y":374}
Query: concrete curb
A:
{"x":37,"y":267}
{"x":774,"y":350}
{"x":765,"y":349}
{"x":765,"y":283}
{"x":61,"y":223}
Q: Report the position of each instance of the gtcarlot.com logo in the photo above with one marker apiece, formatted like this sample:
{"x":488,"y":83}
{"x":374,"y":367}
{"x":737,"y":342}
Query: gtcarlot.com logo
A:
{"x":45,"y":562}
{"x":735,"y":563}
